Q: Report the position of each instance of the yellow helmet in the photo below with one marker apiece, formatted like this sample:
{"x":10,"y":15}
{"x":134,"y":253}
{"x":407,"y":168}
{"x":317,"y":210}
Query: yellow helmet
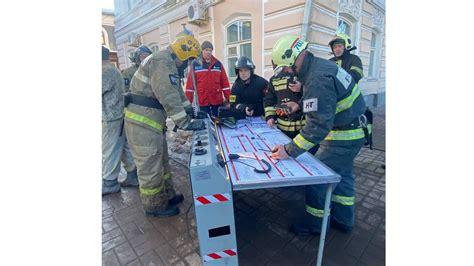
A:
{"x":185,"y":47}
{"x":286,"y":50}
{"x":342,"y":38}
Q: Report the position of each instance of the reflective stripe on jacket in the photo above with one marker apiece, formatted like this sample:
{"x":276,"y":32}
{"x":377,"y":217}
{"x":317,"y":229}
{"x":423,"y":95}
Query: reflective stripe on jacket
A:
{"x":157,"y":77}
{"x":331,"y":98}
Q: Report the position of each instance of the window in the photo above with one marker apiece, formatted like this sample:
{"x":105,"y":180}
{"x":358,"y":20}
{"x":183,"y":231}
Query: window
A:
{"x":154,"y":47}
{"x":344,"y":26}
{"x":239,"y":37}
{"x":373,"y":55}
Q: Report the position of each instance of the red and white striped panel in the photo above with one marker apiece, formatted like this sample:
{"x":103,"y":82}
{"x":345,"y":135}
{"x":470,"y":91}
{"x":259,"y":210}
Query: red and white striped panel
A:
{"x":216,"y":198}
{"x":220,"y":255}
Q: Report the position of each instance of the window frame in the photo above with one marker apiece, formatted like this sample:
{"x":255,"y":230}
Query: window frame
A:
{"x":238,"y":44}
{"x":354,"y":28}
{"x":374,"y":64}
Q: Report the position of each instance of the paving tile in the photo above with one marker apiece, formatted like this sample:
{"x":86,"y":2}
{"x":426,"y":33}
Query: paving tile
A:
{"x":165,"y":227}
{"x":109,"y":224}
{"x":125,"y":253}
{"x":178,"y":263}
{"x":110,"y":259}
{"x":113,"y":243}
{"x":374,"y":219}
{"x":251,"y":255}
{"x":151,"y":259}
{"x":291,"y":256}
{"x":111,"y":234}
{"x":337,"y":260}
{"x":357,"y":245}
{"x":167,"y":254}
{"x":373,"y":256}
{"x":135,"y":263}
{"x":185,"y":249}
{"x":193,"y":259}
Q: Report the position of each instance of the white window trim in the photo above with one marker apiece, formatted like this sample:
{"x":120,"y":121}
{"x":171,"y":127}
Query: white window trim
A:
{"x":153,"y":44}
{"x":355,"y":28}
{"x":377,"y":54}
{"x":237,"y":44}
{"x":106,"y":37}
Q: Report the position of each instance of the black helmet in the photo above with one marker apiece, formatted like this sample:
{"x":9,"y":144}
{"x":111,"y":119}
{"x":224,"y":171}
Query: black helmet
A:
{"x":135,"y":56}
{"x":244,"y":62}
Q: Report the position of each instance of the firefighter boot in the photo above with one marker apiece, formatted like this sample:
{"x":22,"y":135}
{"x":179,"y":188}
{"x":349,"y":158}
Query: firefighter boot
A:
{"x":131,"y":180}
{"x":178,"y":198}
{"x":169,"y":211}
{"x":341,"y":227}
{"x":110,"y":186}
{"x":303,"y":229}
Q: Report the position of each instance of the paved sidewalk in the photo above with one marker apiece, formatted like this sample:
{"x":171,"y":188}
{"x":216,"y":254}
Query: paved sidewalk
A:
{"x":262,"y":218}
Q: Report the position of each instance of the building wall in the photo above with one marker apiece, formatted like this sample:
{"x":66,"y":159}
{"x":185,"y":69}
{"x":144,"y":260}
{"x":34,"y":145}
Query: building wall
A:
{"x":108,"y":35}
{"x":158,"y":21}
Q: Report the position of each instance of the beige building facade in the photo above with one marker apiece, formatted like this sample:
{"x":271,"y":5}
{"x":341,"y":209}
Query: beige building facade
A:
{"x":251,"y":27}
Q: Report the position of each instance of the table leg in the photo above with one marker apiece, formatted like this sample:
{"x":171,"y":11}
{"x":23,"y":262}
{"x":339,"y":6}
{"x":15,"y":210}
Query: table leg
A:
{"x":324,"y":226}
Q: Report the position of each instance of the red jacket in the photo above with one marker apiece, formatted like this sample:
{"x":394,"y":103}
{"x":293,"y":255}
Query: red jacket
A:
{"x":212,"y":83}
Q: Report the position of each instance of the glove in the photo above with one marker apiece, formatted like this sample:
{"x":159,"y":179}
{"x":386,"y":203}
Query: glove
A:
{"x":280,"y":112}
{"x":195,"y":124}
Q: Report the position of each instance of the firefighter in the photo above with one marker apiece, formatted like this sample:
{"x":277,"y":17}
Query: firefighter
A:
{"x":248,"y":90}
{"x":283,"y":88}
{"x":155,"y":95}
{"x":136,"y":57}
{"x":333,"y":106}
{"x":341,"y":47}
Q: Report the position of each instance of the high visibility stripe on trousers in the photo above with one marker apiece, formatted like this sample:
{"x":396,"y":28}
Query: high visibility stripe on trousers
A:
{"x":347,"y":201}
{"x":143,"y":119}
{"x":153,"y":191}
{"x":316,"y":212}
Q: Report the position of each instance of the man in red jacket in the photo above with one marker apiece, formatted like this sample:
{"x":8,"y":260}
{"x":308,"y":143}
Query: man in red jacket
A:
{"x":211,"y":81}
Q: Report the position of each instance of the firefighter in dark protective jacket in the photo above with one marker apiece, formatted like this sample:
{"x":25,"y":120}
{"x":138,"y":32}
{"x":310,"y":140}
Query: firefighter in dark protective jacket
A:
{"x":279,"y":92}
{"x":248,"y":90}
{"x":341,"y":47}
{"x":333,"y":106}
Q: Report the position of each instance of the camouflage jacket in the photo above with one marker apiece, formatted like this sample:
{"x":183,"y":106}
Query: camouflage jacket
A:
{"x":112,"y":90}
{"x":157,"y":77}
{"x":128,"y":75}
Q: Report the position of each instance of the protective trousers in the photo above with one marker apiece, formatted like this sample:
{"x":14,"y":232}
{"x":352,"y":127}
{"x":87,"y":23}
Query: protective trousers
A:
{"x":114,"y":150}
{"x":339,"y":156}
{"x":150,"y":151}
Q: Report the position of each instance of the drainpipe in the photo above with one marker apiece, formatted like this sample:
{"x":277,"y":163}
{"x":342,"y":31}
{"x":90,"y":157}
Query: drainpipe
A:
{"x":308,"y":7}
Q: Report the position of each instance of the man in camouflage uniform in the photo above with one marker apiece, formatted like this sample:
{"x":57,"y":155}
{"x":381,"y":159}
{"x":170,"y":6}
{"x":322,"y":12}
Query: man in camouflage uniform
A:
{"x":137,"y":57}
{"x":155,"y":95}
{"x":114,"y":146}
